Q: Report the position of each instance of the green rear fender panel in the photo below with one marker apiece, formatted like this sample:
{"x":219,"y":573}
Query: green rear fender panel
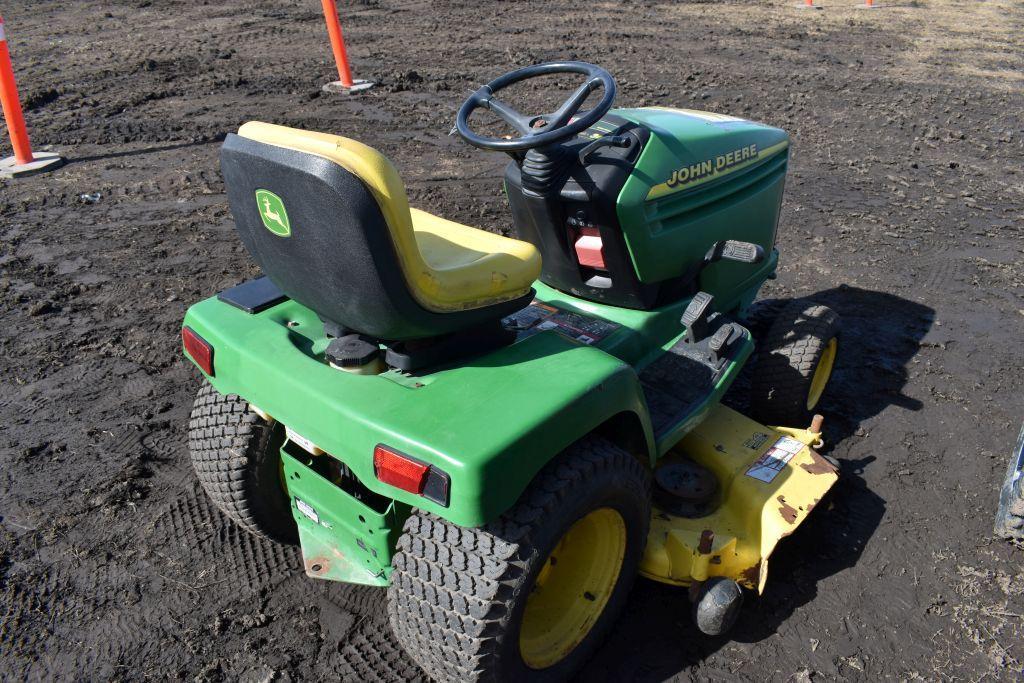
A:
{"x":490,"y":424}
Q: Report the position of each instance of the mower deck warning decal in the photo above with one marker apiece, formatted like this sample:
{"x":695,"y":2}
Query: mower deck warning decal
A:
{"x":768,"y":466}
{"x":538,"y":317}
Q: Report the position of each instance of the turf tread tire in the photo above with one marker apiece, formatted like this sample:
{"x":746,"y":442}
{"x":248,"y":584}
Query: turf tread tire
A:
{"x":452,"y":599}
{"x":234,"y":454}
{"x":786,"y":361}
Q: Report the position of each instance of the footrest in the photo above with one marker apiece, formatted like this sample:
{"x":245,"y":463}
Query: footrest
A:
{"x":691,"y":375}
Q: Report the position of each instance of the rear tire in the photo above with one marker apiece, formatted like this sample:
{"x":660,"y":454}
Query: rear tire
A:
{"x":459,"y":597}
{"x":794,"y":362}
{"x":236,"y":456}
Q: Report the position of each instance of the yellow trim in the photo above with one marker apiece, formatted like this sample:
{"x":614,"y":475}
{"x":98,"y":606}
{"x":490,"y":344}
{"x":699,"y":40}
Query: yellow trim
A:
{"x":448,"y":266}
{"x":663,"y":189}
{"x":822,"y":373}
{"x":572,"y":589}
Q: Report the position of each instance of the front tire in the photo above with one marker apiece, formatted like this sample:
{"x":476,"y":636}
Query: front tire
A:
{"x":532,"y":594}
{"x":794,"y":363}
{"x":236,"y":456}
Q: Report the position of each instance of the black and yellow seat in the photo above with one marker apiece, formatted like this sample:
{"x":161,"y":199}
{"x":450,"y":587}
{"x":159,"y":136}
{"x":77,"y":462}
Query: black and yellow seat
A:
{"x":328,"y":220}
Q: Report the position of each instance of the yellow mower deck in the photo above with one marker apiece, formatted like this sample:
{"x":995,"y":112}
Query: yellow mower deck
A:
{"x":770,"y":478}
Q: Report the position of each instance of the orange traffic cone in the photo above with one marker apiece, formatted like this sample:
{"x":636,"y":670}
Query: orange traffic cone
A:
{"x":24,"y":162}
{"x":344,"y":82}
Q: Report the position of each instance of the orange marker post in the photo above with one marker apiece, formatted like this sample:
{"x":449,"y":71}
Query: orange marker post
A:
{"x":23,"y":162}
{"x":809,"y":4}
{"x":345,"y":83}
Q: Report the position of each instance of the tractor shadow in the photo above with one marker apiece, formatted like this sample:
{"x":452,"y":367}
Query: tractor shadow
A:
{"x":656,"y":639}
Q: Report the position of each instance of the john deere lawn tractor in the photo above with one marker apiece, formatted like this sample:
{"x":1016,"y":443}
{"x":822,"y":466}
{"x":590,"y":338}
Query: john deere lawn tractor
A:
{"x":505,"y":432}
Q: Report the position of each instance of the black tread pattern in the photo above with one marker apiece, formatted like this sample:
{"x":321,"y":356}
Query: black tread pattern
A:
{"x":454,"y":589}
{"x":371,"y":654}
{"x":229,"y":446}
{"x":355,"y":598}
{"x":760,"y":315}
{"x":786,"y":360}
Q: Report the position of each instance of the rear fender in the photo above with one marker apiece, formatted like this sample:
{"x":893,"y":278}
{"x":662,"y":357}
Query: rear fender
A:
{"x":490,"y":424}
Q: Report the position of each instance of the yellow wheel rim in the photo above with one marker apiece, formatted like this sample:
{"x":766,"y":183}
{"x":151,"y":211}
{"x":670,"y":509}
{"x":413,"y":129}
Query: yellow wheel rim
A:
{"x":572,"y":589}
{"x":822,"y":371}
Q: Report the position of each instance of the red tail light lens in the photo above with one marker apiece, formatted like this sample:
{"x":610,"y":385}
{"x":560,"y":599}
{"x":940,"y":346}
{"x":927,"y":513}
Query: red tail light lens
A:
{"x":198,"y":350}
{"x":399,"y":470}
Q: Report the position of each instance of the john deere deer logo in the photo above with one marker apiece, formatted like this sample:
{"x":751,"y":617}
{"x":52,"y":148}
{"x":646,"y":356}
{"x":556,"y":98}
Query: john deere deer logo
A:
{"x":275,"y":218}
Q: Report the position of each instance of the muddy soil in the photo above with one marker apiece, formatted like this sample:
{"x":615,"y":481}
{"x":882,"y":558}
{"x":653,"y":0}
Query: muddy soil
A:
{"x":903,"y":211}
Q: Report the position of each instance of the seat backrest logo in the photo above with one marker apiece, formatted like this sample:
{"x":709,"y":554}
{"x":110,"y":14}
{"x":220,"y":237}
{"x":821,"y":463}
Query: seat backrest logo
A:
{"x":272,"y":213}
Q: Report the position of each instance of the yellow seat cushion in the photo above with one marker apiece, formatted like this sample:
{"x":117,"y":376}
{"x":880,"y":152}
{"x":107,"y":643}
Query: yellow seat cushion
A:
{"x":447,"y":266}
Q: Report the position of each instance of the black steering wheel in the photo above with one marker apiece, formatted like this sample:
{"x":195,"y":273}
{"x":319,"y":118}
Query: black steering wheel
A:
{"x":538,"y":131}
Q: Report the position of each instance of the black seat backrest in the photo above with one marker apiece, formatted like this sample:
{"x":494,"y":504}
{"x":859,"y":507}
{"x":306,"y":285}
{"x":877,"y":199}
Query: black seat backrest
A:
{"x":319,"y":234}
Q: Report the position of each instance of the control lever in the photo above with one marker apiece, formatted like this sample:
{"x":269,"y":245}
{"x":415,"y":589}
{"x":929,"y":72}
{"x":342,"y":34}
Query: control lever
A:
{"x":725,"y":250}
{"x":605,"y":141}
{"x":719,"y":344}
{"x":695,"y":317}
{"x":733,"y":250}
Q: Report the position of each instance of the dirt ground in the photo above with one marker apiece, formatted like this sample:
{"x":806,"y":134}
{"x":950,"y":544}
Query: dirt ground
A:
{"x":903,"y":211}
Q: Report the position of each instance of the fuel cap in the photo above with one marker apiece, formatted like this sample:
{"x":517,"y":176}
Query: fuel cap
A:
{"x":352,"y":351}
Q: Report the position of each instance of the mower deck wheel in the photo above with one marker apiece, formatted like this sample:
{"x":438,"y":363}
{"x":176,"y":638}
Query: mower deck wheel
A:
{"x":531,"y":595}
{"x":717,"y":606}
{"x":236,"y":456}
{"x":795,"y":360}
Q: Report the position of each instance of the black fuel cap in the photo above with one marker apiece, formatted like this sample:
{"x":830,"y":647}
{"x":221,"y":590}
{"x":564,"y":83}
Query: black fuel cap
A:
{"x":352,"y":351}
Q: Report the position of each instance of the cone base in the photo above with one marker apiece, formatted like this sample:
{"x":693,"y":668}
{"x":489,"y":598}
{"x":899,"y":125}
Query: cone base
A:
{"x":41,"y":162}
{"x":357,"y":85}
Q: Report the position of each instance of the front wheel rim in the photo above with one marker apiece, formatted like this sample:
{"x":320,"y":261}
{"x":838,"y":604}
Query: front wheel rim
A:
{"x":572,"y":588}
{"x":822,"y":373}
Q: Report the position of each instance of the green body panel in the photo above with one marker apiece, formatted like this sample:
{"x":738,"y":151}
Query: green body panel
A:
{"x":343,"y":539}
{"x":701,"y":178}
{"x":490,"y":423}
{"x":646,"y":335}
